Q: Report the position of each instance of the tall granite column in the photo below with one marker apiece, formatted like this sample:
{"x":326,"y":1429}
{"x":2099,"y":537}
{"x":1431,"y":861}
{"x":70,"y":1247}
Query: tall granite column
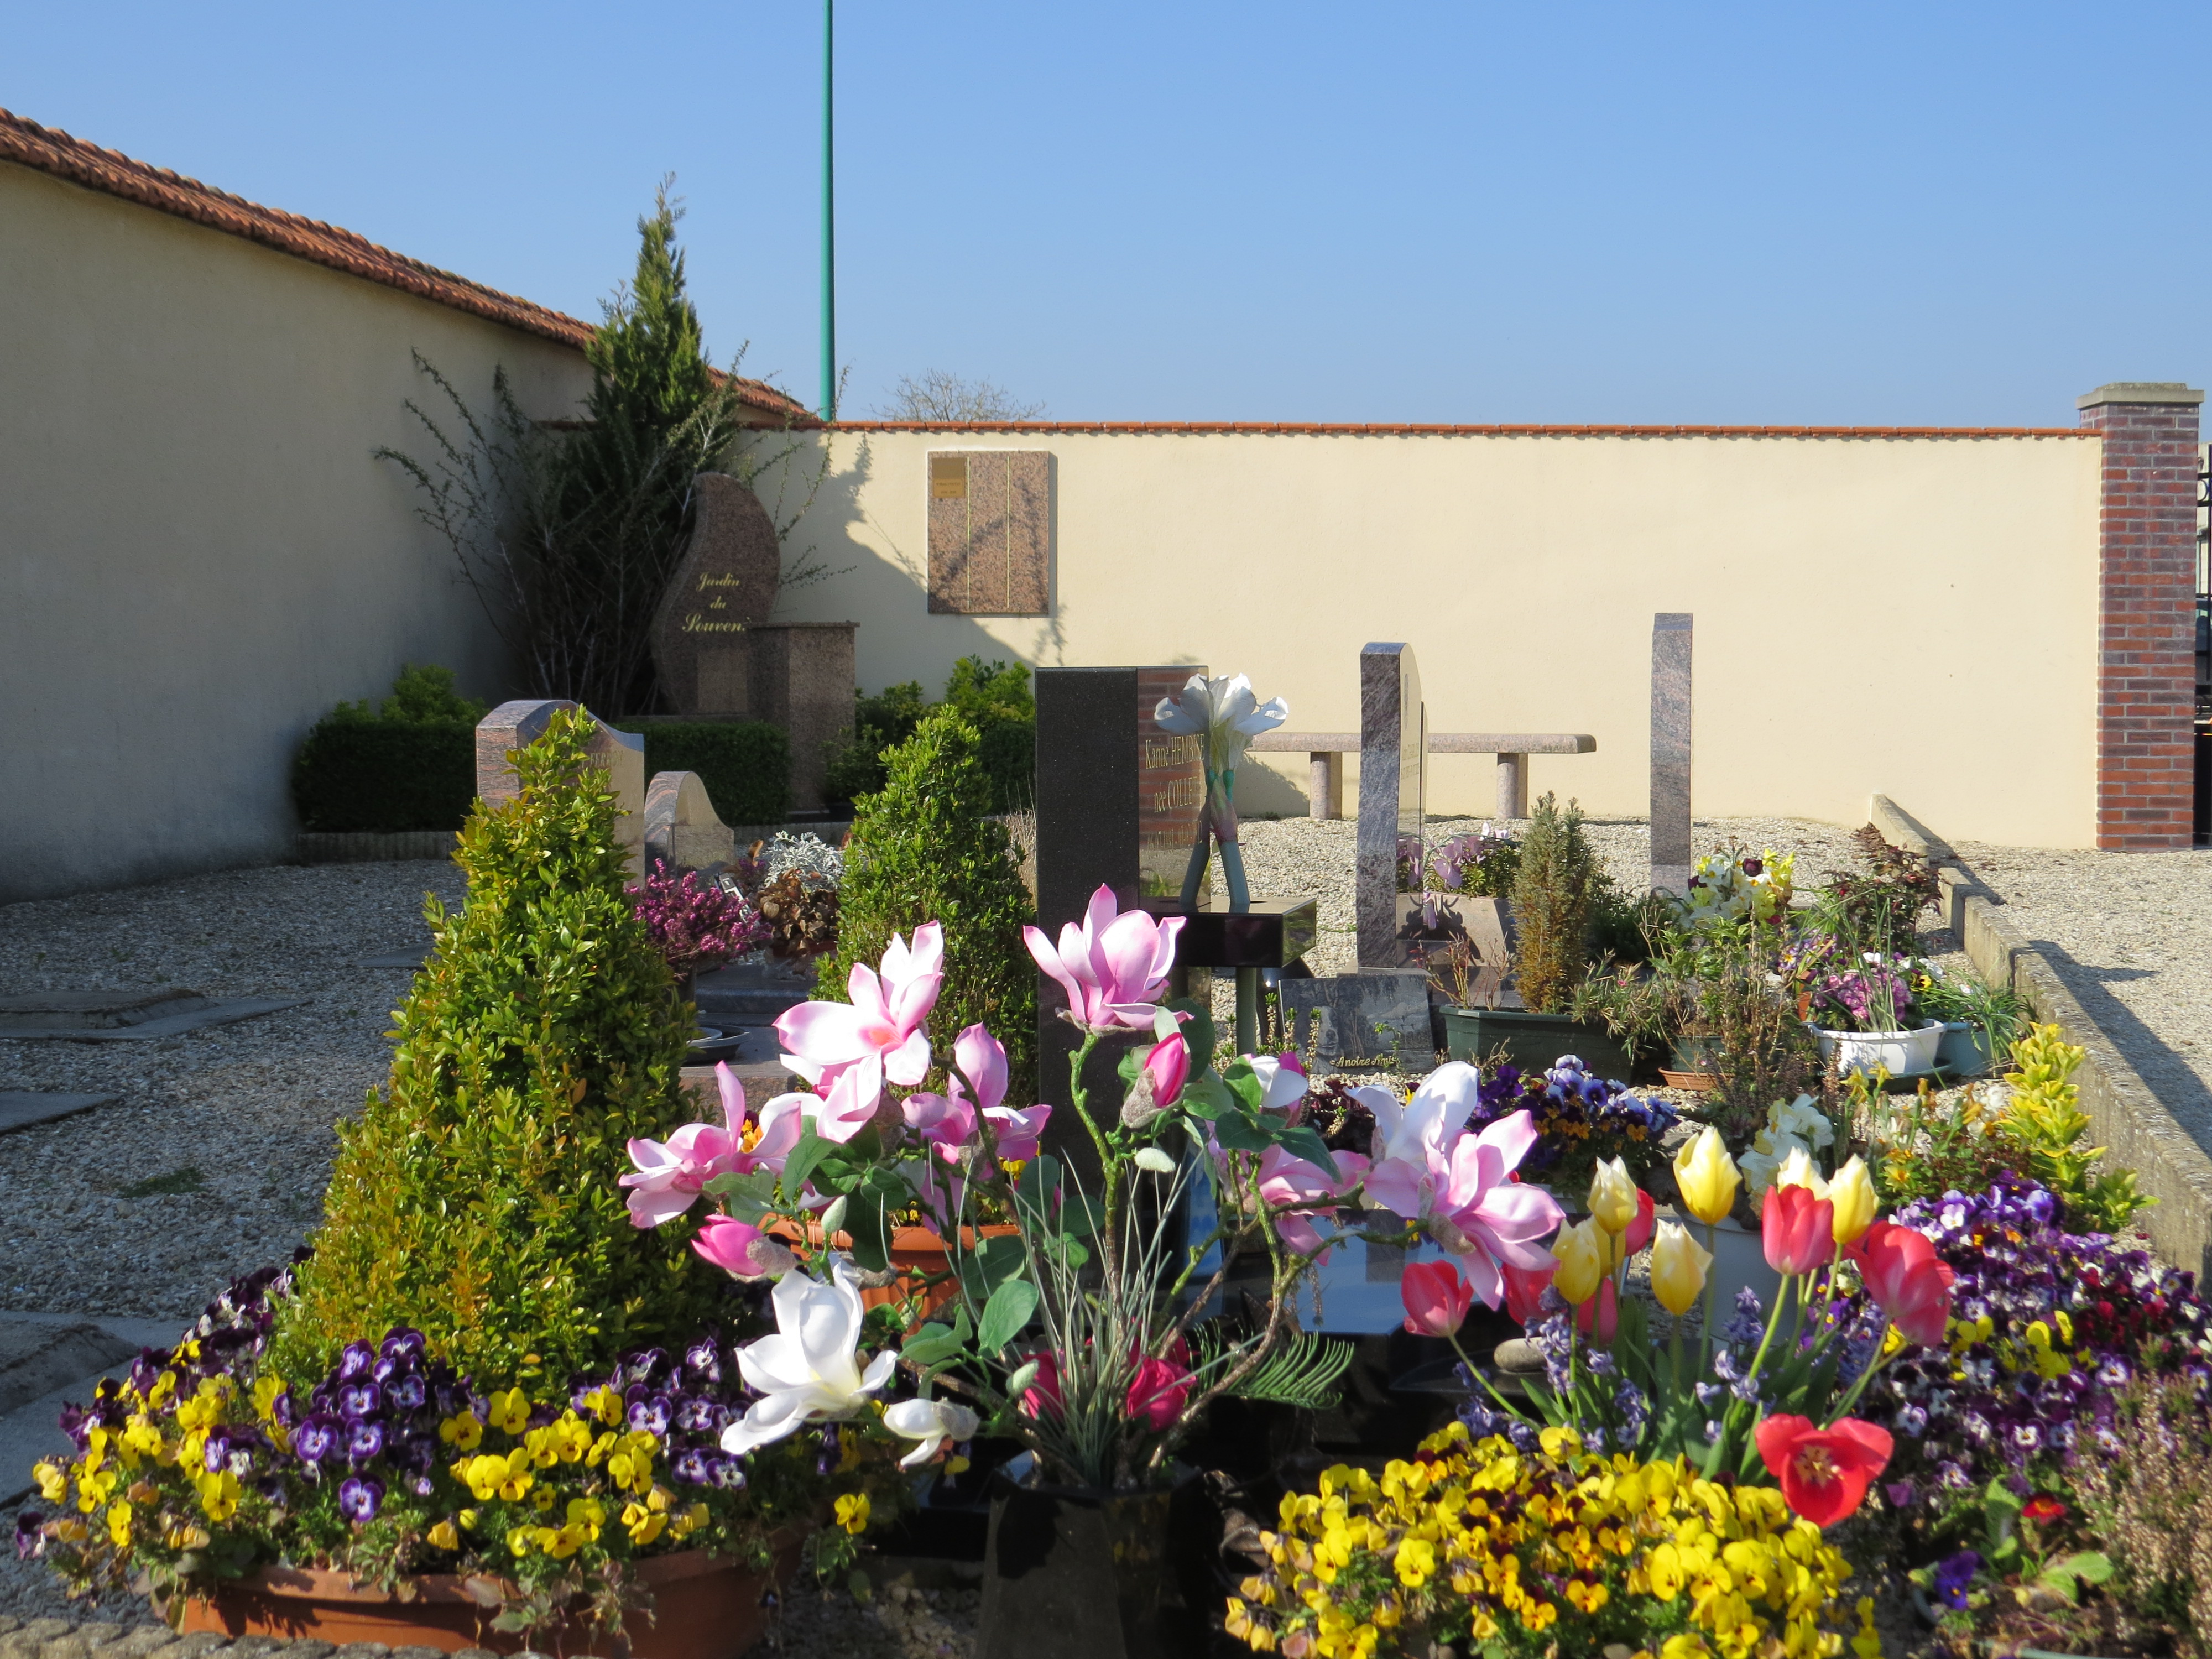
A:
{"x":1393,"y":755}
{"x":1670,"y":751}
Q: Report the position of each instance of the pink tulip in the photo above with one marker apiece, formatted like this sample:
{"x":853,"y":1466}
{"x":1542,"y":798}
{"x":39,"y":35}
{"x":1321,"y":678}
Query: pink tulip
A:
{"x":1906,"y":1280}
{"x":1797,"y":1230}
{"x":1468,"y":1203}
{"x":1283,"y":1077}
{"x":669,"y":1176}
{"x":1285,"y":1180}
{"x":1599,"y":1318}
{"x":879,"y":1033}
{"x":1639,"y":1231}
{"x":1525,"y":1288}
{"x":1114,"y":968}
{"x":1168,"y":1064}
{"x":740,"y":1249}
{"x":1437,"y":1298}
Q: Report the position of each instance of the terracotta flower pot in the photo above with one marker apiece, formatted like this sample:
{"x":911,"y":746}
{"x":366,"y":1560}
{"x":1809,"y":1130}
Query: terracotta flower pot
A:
{"x":704,"y":1606}
{"x":917,"y":1253}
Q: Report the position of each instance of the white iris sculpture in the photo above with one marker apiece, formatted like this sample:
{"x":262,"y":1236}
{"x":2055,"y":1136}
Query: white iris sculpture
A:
{"x":1225,"y":715}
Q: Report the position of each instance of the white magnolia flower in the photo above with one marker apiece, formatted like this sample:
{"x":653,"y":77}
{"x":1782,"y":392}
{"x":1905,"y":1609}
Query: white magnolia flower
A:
{"x":1226,"y":711}
{"x":932,"y":1422}
{"x":810,"y":1370}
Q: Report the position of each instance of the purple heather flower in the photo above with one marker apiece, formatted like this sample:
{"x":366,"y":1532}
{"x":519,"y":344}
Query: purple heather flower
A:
{"x":360,"y":1497}
{"x":317,"y":1439}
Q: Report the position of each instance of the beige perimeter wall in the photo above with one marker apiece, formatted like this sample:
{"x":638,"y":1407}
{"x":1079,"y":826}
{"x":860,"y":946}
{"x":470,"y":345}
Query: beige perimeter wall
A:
{"x":1911,"y":615}
{"x":198,"y":554}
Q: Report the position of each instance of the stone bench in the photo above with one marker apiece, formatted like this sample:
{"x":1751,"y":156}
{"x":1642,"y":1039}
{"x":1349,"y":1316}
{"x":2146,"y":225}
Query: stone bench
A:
{"x":1326,"y":750}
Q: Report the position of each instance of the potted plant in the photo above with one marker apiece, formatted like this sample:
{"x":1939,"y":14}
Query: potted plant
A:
{"x":1860,"y":1005}
{"x":1981,"y":1021}
{"x":487,"y":1407}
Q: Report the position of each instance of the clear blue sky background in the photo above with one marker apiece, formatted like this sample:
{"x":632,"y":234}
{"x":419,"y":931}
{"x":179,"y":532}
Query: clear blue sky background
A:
{"x":1779,"y":212}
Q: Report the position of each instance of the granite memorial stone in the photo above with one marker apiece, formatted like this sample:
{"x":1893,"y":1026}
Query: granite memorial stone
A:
{"x":1393,"y":751}
{"x":682,"y":829}
{"x":1670,"y":751}
{"x":516,"y":724}
{"x":1376,"y":1017}
{"x":724,"y":586}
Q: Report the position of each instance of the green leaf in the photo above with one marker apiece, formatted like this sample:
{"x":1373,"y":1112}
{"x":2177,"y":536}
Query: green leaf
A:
{"x":747,"y":1196}
{"x":1238,"y":1133}
{"x":1197,"y":1033}
{"x":1008,"y":1311}
{"x":870,"y":1228}
{"x":1304,"y":1141}
{"x":934,"y":1343}
{"x":2086,"y":1567}
{"x":809,"y":1150}
{"x":1206,"y":1097}
{"x":1244,"y":1083}
{"x":991,"y":1264}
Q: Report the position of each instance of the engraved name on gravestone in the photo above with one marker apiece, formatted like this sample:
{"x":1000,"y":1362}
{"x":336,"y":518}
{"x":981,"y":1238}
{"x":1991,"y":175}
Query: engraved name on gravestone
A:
{"x":1670,"y":751}
{"x":1393,"y":752}
{"x":724,"y":586}
{"x":1170,"y":790}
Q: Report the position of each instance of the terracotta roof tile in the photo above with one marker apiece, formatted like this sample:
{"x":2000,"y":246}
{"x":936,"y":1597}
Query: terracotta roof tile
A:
{"x":1400,"y":430}
{"x":29,"y":144}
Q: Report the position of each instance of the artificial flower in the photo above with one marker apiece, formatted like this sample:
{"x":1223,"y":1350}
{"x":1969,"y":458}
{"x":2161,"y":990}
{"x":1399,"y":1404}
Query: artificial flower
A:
{"x":1407,"y":1132}
{"x":1227,"y":713}
{"x":1469,"y":1204}
{"x":1290,"y":1183}
{"x":931,"y":1422}
{"x":810,"y":1370}
{"x":741,"y":1249}
{"x":1114,"y":967}
{"x":1283,"y":1080}
{"x":1167,"y":1065}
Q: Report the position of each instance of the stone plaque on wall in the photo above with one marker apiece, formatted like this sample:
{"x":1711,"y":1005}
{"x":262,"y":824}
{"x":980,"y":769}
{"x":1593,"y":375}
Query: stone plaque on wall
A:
{"x":990,"y":532}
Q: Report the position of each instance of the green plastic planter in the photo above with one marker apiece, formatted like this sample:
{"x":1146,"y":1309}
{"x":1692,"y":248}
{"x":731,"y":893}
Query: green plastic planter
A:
{"x":1534,"y":1043}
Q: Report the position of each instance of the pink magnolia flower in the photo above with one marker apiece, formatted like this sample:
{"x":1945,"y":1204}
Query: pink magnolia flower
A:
{"x":1437,"y":1298}
{"x":669,"y":1175}
{"x":1408,"y":1132}
{"x":1285,"y":1179}
{"x":1466,"y":1202}
{"x":982,"y":1062}
{"x":1016,"y":1129}
{"x":879,"y":1033}
{"x":1114,"y":967}
{"x":1283,"y":1077}
{"x":948,"y":1123}
{"x":740,"y":1249}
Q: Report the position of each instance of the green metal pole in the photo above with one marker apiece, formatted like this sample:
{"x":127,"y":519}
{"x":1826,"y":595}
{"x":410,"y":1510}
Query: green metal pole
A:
{"x":828,"y":215}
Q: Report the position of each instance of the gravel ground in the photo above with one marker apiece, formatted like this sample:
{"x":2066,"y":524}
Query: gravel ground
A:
{"x":214,"y":1161}
{"x":2132,"y":935}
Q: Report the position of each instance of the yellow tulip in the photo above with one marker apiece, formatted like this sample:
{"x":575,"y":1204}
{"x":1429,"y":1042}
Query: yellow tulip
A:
{"x":1580,"y":1251}
{"x":1613,"y":1196}
{"x":1678,"y":1264}
{"x":1798,"y":1171}
{"x":1852,"y":1193}
{"x":1707,"y":1177}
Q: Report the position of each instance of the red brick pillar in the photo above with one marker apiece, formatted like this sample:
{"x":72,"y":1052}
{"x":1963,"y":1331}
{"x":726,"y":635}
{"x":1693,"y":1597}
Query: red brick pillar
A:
{"x":2146,"y":620}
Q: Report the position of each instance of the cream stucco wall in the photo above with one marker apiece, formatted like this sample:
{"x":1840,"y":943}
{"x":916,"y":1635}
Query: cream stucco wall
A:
{"x":199,"y":555}
{"x":1914,"y":615}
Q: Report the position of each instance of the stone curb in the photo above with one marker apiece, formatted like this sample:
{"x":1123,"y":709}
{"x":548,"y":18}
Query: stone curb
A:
{"x":2126,"y":1116}
{"x":55,"y":1638}
{"x":368,"y":847}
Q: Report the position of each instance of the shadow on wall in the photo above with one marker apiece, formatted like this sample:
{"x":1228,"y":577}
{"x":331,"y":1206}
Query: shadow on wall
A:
{"x":874,"y":587}
{"x":1262,"y":789}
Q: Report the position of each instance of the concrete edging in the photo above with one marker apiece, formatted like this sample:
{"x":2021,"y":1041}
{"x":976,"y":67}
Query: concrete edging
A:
{"x":2126,"y":1116}
{"x":370,"y":846}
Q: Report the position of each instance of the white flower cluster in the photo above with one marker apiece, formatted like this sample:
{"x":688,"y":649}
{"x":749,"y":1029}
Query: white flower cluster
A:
{"x":1796,"y":1126}
{"x":819,"y":864}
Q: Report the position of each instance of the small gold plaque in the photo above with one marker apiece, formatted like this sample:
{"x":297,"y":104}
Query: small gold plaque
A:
{"x":948,"y":478}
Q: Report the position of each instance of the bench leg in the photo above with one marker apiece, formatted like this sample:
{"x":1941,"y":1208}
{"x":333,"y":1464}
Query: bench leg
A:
{"x":1325,"y":785}
{"x":1512,"y":786}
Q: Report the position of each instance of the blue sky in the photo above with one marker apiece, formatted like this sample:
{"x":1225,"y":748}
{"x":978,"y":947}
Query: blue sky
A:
{"x":1957,"y":213}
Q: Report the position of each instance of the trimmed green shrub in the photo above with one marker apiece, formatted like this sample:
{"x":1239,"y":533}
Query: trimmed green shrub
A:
{"x":424,"y":693}
{"x":880,"y":724}
{"x":924,"y":848}
{"x":993,"y":697}
{"x":365,"y":773}
{"x":1008,"y":754}
{"x":745,"y":764}
{"x":1552,"y":895}
{"x":477,"y":1197}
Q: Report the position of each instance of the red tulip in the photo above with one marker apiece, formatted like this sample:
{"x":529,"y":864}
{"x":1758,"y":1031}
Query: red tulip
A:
{"x":1599,"y":1318}
{"x":1799,"y":1229}
{"x":1903,"y":1276}
{"x":1639,"y":1231}
{"x":1824,"y":1472}
{"x":1437,"y":1298}
{"x":1525,"y":1288}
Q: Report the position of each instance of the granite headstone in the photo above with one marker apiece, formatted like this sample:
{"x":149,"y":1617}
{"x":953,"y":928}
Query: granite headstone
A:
{"x":1393,"y":751}
{"x":682,"y":829}
{"x":1378,"y":1016}
{"x":724,"y":586}
{"x":1670,"y":751}
{"x":516,"y":724}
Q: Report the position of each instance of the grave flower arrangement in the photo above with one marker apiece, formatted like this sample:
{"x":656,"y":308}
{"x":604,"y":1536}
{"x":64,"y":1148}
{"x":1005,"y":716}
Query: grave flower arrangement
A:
{"x":1736,"y":890}
{"x":1581,"y":1121}
{"x":1478,"y":1545}
{"x":696,"y":924}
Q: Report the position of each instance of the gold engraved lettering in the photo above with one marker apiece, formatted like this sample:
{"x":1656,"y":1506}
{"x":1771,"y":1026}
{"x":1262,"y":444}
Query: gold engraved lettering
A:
{"x":706,"y":582}
{"x":695,"y":623}
{"x":948,"y":478}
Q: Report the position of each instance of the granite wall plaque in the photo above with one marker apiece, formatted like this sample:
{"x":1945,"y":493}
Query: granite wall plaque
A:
{"x":990,"y":532}
{"x":724,"y":585}
{"x":1670,"y":751}
{"x":1393,"y":749}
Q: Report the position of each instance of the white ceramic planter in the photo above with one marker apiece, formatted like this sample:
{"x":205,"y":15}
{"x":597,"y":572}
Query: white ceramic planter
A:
{"x":1739,"y":1259}
{"x":1902,"y":1054}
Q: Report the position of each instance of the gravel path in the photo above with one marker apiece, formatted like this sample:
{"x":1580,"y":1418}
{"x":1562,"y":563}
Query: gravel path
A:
{"x":214,"y":1161}
{"x":2130,"y":933}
